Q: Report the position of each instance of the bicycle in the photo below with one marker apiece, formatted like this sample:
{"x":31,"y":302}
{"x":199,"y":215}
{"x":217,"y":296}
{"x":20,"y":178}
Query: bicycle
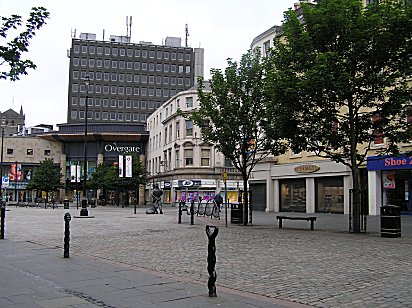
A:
{"x":212,"y":211}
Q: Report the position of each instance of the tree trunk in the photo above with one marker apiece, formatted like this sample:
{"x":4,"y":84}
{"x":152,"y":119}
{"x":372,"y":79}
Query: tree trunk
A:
{"x":245,"y":200}
{"x":356,"y":200}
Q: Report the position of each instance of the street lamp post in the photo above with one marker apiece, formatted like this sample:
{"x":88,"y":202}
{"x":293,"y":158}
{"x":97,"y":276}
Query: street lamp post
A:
{"x":84,"y":211}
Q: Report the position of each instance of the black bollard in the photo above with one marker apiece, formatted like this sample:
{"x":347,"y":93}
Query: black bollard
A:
{"x":180,"y":213}
{"x":3,"y":217}
{"x":192,"y":211}
{"x":211,"y":232}
{"x":67,"y":219}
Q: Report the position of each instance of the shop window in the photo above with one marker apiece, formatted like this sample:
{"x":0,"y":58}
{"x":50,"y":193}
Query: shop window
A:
{"x":293,"y":196}
{"x":329,"y":195}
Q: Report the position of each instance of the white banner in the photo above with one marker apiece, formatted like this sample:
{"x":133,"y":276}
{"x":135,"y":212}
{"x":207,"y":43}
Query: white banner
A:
{"x":74,"y":174}
{"x":128,"y":166}
{"x":120,"y":166}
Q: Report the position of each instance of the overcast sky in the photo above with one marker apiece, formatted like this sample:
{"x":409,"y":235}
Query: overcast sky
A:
{"x":224,"y":28}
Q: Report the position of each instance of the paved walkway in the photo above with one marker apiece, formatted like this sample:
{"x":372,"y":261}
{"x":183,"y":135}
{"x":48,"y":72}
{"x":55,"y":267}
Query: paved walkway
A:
{"x":327,"y":267}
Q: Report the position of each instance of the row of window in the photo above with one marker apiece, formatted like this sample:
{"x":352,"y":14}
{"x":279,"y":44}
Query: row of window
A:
{"x":108,"y":116}
{"x":137,"y":66}
{"x":137,"y":53}
{"x":169,"y":111}
{"x":188,"y":160}
{"x":129,"y":78}
{"x":156,"y":141}
{"x":29,"y":152}
{"x":122,"y":90}
{"x":114,"y":103}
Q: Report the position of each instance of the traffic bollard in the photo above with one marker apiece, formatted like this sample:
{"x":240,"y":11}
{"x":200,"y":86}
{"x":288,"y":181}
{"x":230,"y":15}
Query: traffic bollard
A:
{"x":135,"y":209}
{"x":180,"y":212}
{"x":67,"y":219}
{"x":211,"y":232}
{"x":3,"y":217}
{"x":192,"y":212}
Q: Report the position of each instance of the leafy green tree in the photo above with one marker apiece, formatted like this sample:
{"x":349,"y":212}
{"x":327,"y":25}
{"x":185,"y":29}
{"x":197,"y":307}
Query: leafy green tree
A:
{"x":232,"y":116}
{"x":339,"y":80}
{"x":11,"y":53}
{"x":46,"y":177}
{"x":106,"y":175}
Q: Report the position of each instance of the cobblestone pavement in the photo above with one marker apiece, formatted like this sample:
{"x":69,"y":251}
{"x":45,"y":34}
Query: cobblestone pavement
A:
{"x":327,"y":267}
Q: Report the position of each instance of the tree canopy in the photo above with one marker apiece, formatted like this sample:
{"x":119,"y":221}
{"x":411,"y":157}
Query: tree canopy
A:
{"x":11,"y":53}
{"x":46,"y":177}
{"x":339,"y":79}
{"x":232,"y":115}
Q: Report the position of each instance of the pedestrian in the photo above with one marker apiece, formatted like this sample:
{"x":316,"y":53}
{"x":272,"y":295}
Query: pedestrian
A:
{"x":219,"y":200}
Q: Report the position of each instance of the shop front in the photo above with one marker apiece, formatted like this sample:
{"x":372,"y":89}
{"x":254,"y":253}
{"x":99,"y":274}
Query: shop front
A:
{"x":392,"y":180}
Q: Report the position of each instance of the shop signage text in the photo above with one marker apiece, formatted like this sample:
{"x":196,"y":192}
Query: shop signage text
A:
{"x":389,"y":162}
{"x":121,"y":149}
{"x":306,"y":168}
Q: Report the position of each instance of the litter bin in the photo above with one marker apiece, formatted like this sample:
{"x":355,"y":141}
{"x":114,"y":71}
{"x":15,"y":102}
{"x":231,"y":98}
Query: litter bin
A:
{"x":66,"y":203}
{"x":390,"y":221}
{"x":236,"y":213}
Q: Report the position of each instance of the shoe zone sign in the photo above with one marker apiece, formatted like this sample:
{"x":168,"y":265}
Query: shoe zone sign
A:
{"x":389,"y":162}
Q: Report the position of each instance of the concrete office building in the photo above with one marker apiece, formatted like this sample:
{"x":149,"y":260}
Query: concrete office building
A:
{"x":128,"y":81}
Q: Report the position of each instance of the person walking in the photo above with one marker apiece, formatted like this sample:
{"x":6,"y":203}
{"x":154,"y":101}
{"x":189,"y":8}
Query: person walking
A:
{"x":157,"y":195}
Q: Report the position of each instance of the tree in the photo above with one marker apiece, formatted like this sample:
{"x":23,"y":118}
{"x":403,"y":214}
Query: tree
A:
{"x":46,"y":177}
{"x":339,"y":79}
{"x":106,"y":176}
{"x":232,"y":116}
{"x":11,"y":53}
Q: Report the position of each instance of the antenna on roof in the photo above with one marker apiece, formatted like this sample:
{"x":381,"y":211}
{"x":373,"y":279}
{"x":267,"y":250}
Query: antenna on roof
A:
{"x":130,"y":29}
{"x":127,"y":26}
{"x":103,"y":35}
{"x":73,"y":33}
{"x":187,"y":33}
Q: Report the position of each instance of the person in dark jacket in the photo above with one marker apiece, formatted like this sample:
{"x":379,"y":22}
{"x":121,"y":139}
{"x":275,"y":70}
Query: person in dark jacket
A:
{"x":219,"y":200}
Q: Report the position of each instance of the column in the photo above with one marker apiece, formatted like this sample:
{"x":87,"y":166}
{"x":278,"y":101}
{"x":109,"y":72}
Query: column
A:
{"x":310,"y":195}
{"x":347,"y":185}
{"x":375,"y":192}
{"x":270,"y":195}
{"x":276,"y":195}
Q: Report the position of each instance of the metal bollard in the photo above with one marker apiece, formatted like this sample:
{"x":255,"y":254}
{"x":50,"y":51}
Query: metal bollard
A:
{"x":3,"y":217}
{"x":67,"y":219}
{"x":135,"y":209}
{"x":192,"y":211}
{"x":211,"y":232}
{"x":180,"y":213}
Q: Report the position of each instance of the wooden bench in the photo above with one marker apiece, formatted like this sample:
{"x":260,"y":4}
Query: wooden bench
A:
{"x":312,"y":220}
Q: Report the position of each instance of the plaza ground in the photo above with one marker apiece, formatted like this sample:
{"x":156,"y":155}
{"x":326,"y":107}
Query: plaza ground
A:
{"x":257,"y":266}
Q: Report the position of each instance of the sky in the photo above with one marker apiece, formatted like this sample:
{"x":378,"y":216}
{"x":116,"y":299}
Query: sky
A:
{"x":224,"y":28}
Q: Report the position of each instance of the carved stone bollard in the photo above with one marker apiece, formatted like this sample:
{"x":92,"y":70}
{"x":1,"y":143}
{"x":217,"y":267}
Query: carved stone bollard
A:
{"x":3,"y":217}
{"x":67,"y":219}
{"x":211,"y":232}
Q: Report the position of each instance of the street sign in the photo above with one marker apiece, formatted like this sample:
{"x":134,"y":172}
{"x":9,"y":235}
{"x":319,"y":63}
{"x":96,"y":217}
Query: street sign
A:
{"x":224,"y":176}
{"x":5,"y":181}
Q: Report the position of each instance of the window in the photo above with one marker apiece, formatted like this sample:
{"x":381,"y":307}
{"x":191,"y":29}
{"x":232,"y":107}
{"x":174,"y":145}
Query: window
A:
{"x":205,"y":159}
{"x":166,"y":68}
{"x":114,"y":64}
{"x":120,"y":116}
{"x":121,"y":77}
{"x":74,"y":101}
{"x":151,"y":67}
{"x":409,"y":122}
{"x":228,"y":162}
{"x":84,"y":62}
{"x":47,"y":152}
{"x":106,"y":76}
{"x":113,"y":103}
{"x":114,"y":51}
{"x":180,"y":68}
{"x":177,"y":159}
{"x":91,"y":62}
{"x":136,"y":117}
{"x":30,"y":152}
{"x":189,"y":102}
{"x":266,"y":48}
{"x":113,"y":89}
{"x":128,"y":117}
{"x":99,"y":50}
{"x":104,"y":115}
{"x":166,"y":55}
{"x":75,"y":87}
{"x":10,"y":151}
{"x":97,"y":115}
{"x":137,"y":66}
{"x":189,"y":128}
{"x":113,"y":116}
{"x":105,"y":102}
{"x":107,"y":63}
{"x":188,"y":157}
{"x":130,"y":53}
{"x":73,"y":114}
{"x":121,"y":103}
{"x":114,"y":77}
{"x":177,"y":130}
{"x":76,"y":48}
{"x":99,"y":63}
{"x":97,"y":102}
{"x":121,"y":65}
{"x":187,"y":69}
{"x":136,"y":104}
{"x":128,"y":90}
{"x":187,"y":57}
{"x":377,"y":130}
{"x":75,"y":61}
{"x":121,"y":90}
{"x":137,"y":53}
{"x":151,"y":54}
{"x":122,"y":52}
